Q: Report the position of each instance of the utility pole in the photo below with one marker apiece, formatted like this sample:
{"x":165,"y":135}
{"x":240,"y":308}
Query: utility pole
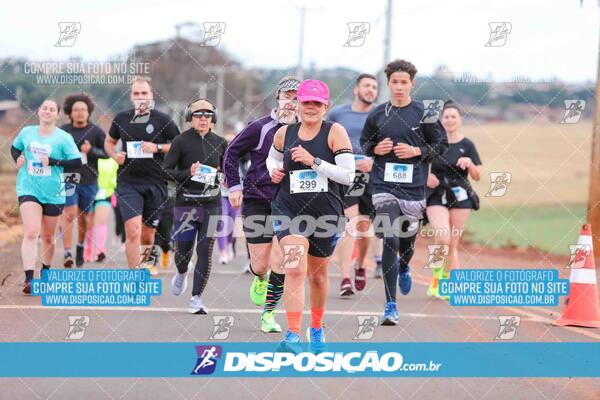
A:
{"x":220,"y":98}
{"x":594,"y":193}
{"x":218,"y":76}
{"x":299,"y":67}
{"x":384,"y":94}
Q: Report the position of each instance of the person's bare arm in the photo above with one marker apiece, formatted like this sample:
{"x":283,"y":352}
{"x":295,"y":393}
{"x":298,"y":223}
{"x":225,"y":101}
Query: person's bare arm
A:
{"x":110,"y":148}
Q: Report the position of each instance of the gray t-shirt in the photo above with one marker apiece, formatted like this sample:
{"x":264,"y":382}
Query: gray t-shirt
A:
{"x":352,"y":121}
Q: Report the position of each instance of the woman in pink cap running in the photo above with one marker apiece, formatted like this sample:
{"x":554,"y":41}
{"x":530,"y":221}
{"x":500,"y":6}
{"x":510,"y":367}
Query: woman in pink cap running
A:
{"x":310,"y":161}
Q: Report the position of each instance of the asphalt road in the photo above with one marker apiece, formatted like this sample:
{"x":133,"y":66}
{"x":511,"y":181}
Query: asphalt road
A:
{"x":422,"y":319}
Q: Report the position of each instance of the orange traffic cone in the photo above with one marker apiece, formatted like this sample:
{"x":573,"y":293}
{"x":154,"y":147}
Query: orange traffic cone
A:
{"x":582,"y":308}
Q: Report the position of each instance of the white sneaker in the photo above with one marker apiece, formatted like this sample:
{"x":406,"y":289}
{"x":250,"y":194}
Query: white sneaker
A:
{"x":196,"y":306}
{"x":223,"y":259}
{"x":229,"y":252}
{"x":178,"y":283}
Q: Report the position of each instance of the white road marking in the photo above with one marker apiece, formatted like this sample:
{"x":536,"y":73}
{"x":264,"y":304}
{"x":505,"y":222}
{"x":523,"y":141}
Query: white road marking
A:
{"x":248,"y":311}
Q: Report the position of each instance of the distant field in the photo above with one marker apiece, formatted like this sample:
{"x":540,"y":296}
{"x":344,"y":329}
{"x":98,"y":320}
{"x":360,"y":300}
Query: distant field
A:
{"x":545,"y":202}
{"x":549,"y":228}
{"x":549,"y":163}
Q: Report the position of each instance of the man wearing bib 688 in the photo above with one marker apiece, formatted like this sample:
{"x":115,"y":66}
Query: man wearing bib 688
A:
{"x":403,"y":146}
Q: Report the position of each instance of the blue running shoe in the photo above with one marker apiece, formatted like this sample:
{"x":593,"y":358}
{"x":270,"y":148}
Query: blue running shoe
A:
{"x":316,"y":337}
{"x":290,"y":343}
{"x":405,"y":282}
{"x":390,"y":315}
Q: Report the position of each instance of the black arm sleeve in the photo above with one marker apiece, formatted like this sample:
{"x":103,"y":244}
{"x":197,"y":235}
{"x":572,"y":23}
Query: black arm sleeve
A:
{"x":71,"y":164}
{"x":170,"y":170}
{"x":15,"y":153}
{"x":436,"y":141}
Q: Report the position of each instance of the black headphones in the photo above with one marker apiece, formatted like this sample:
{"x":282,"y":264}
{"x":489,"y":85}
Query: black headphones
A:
{"x":187,"y":113}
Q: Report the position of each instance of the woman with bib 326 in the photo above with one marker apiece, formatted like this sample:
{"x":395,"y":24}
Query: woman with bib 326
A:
{"x":41,"y":153}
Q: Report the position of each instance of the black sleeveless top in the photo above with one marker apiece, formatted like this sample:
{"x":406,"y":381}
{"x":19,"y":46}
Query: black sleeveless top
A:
{"x":310,"y":203}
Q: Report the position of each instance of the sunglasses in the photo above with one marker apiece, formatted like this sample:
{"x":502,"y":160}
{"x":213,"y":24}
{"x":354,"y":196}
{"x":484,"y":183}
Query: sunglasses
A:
{"x":205,"y":114}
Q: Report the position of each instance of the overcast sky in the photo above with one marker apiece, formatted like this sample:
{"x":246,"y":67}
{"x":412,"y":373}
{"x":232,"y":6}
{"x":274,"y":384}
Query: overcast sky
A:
{"x":549,"y":39}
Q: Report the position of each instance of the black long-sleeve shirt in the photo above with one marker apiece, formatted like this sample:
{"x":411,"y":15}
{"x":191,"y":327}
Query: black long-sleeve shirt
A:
{"x":93,"y":134}
{"x":186,"y":149}
{"x":402,"y":125}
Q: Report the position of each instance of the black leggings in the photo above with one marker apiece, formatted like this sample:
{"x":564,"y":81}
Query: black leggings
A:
{"x":190,"y":227}
{"x":119,"y":224}
{"x":162,"y":237}
{"x":398,"y":247}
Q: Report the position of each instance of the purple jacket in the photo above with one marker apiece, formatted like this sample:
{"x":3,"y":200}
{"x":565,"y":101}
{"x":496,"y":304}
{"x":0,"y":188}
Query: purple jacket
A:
{"x":254,"y":140}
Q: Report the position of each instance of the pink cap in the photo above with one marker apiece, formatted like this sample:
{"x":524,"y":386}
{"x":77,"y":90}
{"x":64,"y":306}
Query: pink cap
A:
{"x":313,"y":90}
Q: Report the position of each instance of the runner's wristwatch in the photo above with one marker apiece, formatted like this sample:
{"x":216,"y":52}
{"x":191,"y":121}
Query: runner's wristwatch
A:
{"x":316,"y":163}
{"x":159,"y":147}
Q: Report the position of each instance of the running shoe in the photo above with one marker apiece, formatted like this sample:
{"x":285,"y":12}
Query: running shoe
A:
{"x":316,"y":338}
{"x":148,"y":262}
{"x":196,"y":306}
{"x":433,"y":288}
{"x":223,"y":259}
{"x":101,"y":257}
{"x":405,"y":282}
{"x":178,"y":283}
{"x":378,"y":271}
{"x":268,"y":323}
{"x":346,"y":287}
{"x":258,"y":290}
{"x":27,"y":288}
{"x":290,"y":343}
{"x":153,"y":270}
{"x":390,"y":315}
{"x":229,"y":253}
{"x":69,"y":260}
{"x":79,"y":256}
{"x":360,"y":277}
{"x":444,"y":275}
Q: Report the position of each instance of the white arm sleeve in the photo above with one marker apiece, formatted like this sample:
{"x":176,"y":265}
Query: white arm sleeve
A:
{"x":275,"y":160}
{"x":342,"y":171}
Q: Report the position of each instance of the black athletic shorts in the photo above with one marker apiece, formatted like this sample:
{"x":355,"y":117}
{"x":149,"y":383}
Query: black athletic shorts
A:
{"x":49,"y":210}
{"x":142,"y":199}
{"x":358,"y":193}
{"x":260,"y":229}
{"x":365,"y":204}
{"x":319,"y":245}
